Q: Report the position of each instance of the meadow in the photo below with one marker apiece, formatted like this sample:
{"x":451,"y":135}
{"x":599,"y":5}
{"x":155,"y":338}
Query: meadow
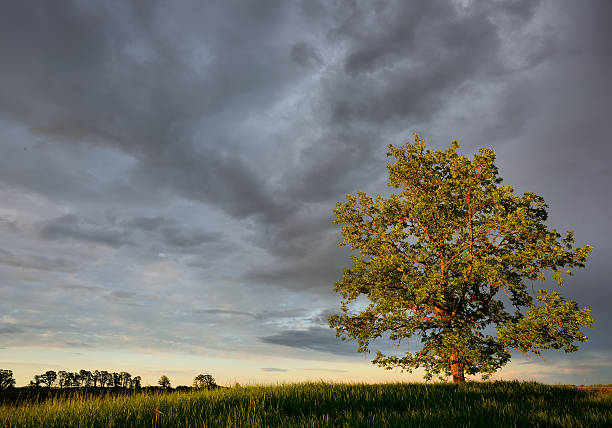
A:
{"x":326,"y":405}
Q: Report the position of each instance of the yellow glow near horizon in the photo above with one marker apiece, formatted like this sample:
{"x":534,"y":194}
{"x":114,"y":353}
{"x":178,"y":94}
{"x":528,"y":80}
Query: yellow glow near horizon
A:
{"x":246,"y":369}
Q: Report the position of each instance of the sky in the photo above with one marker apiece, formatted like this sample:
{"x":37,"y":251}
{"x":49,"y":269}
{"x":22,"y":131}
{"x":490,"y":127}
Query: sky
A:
{"x":168,"y":170}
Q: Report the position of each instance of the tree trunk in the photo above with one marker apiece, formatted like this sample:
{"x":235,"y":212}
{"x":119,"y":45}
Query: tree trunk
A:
{"x":457,"y":368}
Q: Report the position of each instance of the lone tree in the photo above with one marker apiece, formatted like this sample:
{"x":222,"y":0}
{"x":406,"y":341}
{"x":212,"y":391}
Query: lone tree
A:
{"x":202,"y":381}
{"x":448,"y":260}
{"x":164,"y":382}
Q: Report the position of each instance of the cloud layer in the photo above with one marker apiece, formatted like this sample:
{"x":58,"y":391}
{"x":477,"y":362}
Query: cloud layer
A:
{"x":174,"y":167}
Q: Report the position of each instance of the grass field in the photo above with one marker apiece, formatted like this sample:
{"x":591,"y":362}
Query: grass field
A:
{"x":327,"y":405}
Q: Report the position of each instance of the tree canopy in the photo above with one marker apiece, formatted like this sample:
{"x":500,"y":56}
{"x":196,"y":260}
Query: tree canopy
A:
{"x":6,"y":379}
{"x":163,"y":381}
{"x":202,"y":381}
{"x":450,"y":260}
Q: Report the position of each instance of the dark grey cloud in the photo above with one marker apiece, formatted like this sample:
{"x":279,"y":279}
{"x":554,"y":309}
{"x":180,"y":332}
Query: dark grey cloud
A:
{"x":115,"y":296}
{"x":265,"y":316}
{"x":425,"y":34}
{"x":118,"y":233}
{"x":160,"y":136}
{"x":121,"y":294}
{"x":71,"y":227}
{"x":154,"y":89}
{"x":222,"y":312}
{"x":79,"y":288}
{"x":273,"y":369}
{"x":320,"y":339}
{"x":171,"y":232}
{"x":9,"y":328}
{"x":273,"y":315}
{"x":147,"y":224}
{"x":176,"y":237}
{"x":316,"y":270}
{"x":402,"y":63}
{"x":37,"y":262}
{"x":11,"y":224}
{"x":305,"y":54}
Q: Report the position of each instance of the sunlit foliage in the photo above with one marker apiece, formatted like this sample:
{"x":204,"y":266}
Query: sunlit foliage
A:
{"x":449,"y":260}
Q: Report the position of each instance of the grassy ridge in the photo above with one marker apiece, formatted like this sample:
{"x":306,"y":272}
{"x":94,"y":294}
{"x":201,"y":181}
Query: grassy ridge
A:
{"x":328,"y":405}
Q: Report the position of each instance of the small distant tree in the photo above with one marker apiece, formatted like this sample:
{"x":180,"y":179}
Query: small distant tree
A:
{"x":115,"y":379}
{"x":75,"y":379}
{"x":449,"y":260}
{"x":135,"y":383}
{"x":65,"y":379}
{"x":85,"y":377}
{"x":95,"y":377}
{"x":6,"y":379}
{"x":35,"y":383}
{"x":164,"y":382}
{"x":104,"y":378}
{"x":48,"y":378}
{"x":125,"y":379}
{"x":71,"y":379}
{"x":202,"y":381}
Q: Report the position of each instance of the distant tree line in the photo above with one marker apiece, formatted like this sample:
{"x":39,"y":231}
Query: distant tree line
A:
{"x":98,"y":379}
{"x":86,"y":378}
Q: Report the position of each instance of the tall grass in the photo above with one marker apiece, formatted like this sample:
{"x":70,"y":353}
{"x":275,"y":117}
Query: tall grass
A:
{"x":327,"y":405}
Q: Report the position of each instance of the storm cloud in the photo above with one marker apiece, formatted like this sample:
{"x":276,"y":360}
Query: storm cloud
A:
{"x":318,"y":339}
